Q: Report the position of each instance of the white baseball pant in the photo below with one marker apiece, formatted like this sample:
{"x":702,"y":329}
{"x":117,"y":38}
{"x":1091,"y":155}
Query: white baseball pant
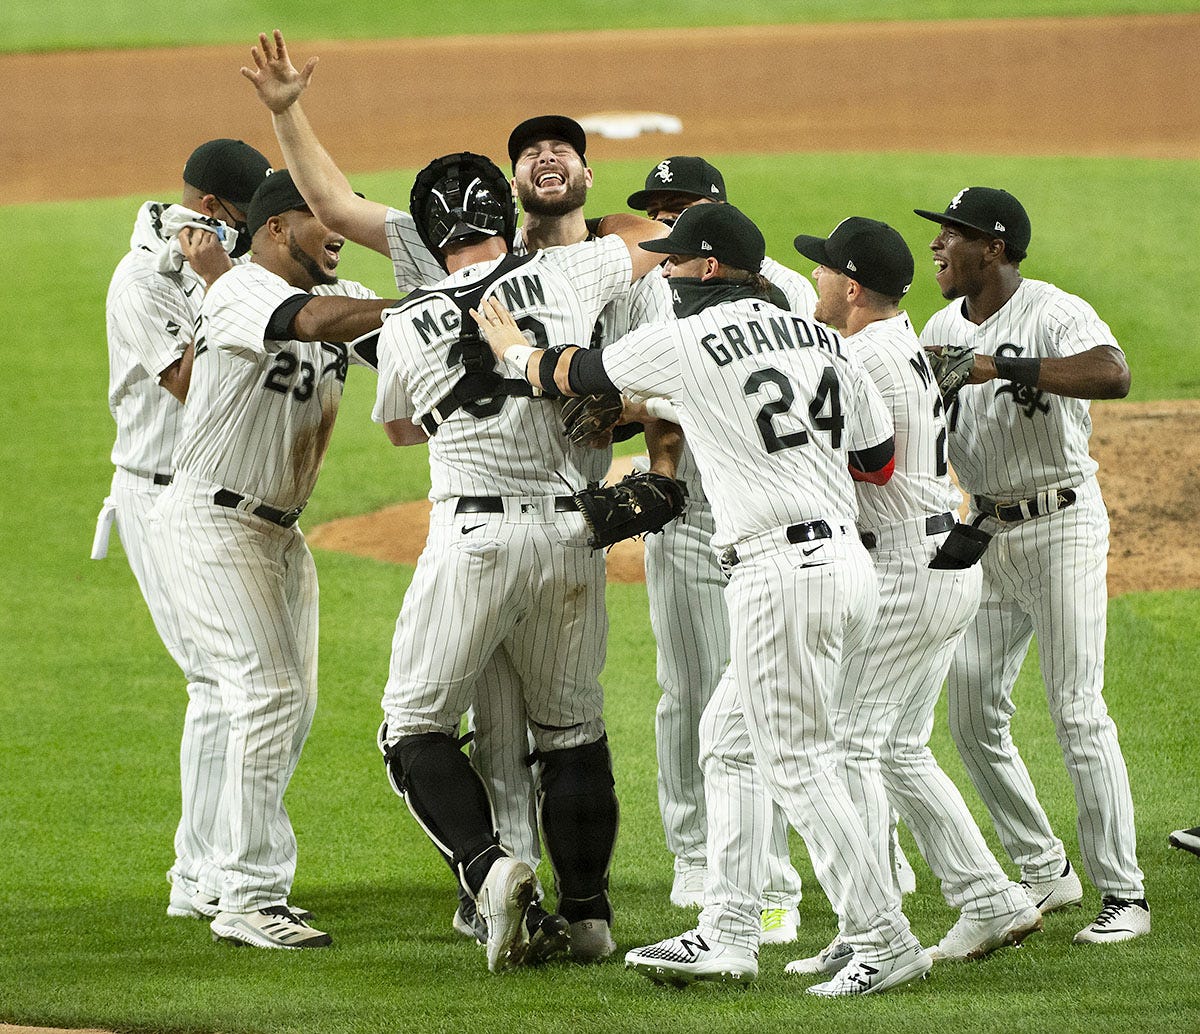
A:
{"x":1047,"y":577}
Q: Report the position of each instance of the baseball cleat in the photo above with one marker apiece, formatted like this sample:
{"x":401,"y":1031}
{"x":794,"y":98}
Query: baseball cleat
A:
{"x":591,"y":940}
{"x":863,"y":978}
{"x":779,"y":925}
{"x":1063,"y":891}
{"x":549,"y":935}
{"x":972,"y":938}
{"x":193,"y":906}
{"x":1186,"y":839}
{"x":272,"y":927}
{"x":687,"y":889}
{"x":1119,"y":920}
{"x":828,"y":961}
{"x":681,"y":960}
{"x":507,"y":891}
{"x":467,"y":922}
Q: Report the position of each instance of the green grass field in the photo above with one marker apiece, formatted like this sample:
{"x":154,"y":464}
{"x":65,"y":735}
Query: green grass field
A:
{"x":90,"y":706}
{"x":29,"y":26}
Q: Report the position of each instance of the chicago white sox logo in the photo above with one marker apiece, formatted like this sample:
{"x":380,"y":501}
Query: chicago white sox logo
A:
{"x":664,"y":172}
{"x":958,"y":197}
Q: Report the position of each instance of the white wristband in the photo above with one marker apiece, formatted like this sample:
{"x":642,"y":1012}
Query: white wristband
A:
{"x":662,"y":409}
{"x":517,"y":358}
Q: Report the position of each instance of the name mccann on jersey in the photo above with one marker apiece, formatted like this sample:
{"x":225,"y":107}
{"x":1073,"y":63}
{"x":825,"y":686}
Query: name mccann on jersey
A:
{"x":517,"y":294}
{"x":785,"y":332}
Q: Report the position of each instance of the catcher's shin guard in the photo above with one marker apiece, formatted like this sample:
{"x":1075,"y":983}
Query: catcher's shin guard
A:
{"x":448,"y":800}
{"x":579,"y":817}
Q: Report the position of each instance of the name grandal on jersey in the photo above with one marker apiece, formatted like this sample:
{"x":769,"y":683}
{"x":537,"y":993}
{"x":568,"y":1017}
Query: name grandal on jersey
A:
{"x":769,"y":334}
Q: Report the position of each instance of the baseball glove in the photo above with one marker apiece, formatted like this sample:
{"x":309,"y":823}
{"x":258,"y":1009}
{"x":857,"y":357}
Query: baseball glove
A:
{"x":638,"y":504}
{"x":952,"y":367}
{"x":589,"y":419}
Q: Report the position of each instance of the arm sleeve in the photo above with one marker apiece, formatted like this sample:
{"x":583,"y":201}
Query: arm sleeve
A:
{"x":154,"y":319}
{"x":871,"y":421}
{"x":413,"y":265}
{"x":599,"y":270}
{"x":644,"y":364}
{"x":392,"y":400}
{"x":239,"y":307}
{"x":1074,"y":327}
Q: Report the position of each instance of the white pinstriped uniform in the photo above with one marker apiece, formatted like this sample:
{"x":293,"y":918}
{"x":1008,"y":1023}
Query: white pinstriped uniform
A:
{"x":686,"y":589}
{"x":150,"y":318}
{"x":522,"y":584}
{"x":257,"y":423}
{"x":1044,"y":576}
{"x":883,"y":707}
{"x":771,"y":404}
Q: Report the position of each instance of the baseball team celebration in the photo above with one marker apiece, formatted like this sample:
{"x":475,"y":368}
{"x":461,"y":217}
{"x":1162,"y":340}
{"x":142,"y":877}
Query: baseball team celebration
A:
{"x":849,"y":732}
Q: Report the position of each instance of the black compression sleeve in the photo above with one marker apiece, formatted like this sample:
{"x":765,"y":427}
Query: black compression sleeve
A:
{"x":586,"y":374}
{"x":874,"y":458}
{"x":279,"y":326}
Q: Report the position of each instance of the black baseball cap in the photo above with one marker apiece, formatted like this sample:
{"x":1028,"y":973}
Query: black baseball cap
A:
{"x":682,"y":174}
{"x":276,"y":195}
{"x":546,"y":127}
{"x":722,"y":231}
{"x":230,"y":169}
{"x":991,"y":211}
{"x":865,"y":250}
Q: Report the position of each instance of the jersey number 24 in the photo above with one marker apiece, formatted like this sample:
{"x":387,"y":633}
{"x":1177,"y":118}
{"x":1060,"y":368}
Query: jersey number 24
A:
{"x":825,"y":409}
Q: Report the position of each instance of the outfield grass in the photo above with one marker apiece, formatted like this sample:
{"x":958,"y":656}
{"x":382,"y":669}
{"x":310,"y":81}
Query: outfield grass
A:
{"x":29,"y":26}
{"x":90,"y":709}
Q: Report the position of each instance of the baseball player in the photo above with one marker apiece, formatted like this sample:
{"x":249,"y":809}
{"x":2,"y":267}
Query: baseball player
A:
{"x":882,"y":709}
{"x":686,"y":589}
{"x":775,"y":411}
{"x":264,"y":394}
{"x":176,"y":251}
{"x":498,"y":712}
{"x":1019,"y":445}
{"x":507,"y":557}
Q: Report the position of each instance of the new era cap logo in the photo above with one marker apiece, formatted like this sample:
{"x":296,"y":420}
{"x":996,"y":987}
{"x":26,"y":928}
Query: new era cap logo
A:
{"x":705,"y":246}
{"x":713,"y":189}
{"x":1000,"y":227}
{"x":851,"y":266}
{"x":664,"y":172}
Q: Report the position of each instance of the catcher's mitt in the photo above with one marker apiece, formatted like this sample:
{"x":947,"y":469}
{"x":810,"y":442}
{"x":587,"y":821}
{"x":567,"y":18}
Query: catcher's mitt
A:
{"x":589,"y":419}
{"x":952,"y":365}
{"x":636,"y":505}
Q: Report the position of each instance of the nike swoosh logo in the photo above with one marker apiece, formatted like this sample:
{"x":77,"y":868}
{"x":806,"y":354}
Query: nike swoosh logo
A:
{"x":810,"y":552}
{"x":473,"y":527}
{"x":464,"y":292}
{"x":187,"y":293}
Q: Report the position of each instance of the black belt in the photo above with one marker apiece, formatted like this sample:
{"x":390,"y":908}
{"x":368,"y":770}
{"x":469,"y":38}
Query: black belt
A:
{"x":284,"y":518}
{"x":495,"y":504}
{"x":1025,"y":509}
{"x":934,"y":525}
{"x":806,"y":531}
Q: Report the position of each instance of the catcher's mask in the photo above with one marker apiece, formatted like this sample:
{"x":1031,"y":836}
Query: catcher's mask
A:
{"x":459,"y":197}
